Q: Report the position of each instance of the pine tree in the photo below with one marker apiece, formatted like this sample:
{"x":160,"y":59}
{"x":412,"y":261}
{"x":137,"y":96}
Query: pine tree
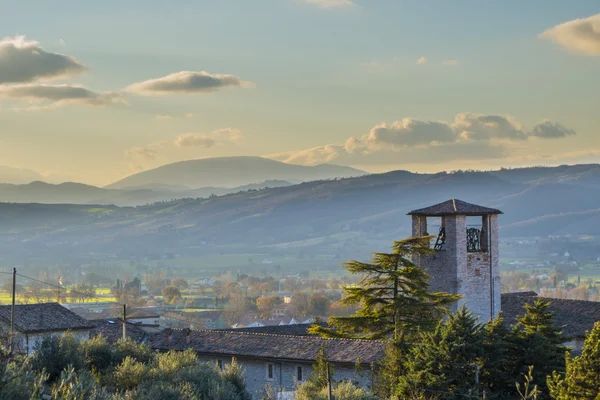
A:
{"x":394,"y":296}
{"x":499,"y":361}
{"x":539,"y":343}
{"x":581,"y":379}
{"x":446,"y":361}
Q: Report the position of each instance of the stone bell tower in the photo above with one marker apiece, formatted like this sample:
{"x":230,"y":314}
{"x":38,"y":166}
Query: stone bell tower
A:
{"x":465,"y":261}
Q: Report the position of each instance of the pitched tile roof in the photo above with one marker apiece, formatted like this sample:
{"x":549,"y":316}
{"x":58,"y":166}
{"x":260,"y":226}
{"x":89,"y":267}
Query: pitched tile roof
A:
{"x":454,"y":207}
{"x":44,"y":317}
{"x":574,"y":317}
{"x":279,"y":347}
{"x":293,"y":330}
{"x":112,"y":330}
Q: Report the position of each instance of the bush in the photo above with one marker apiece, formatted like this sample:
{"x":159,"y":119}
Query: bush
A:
{"x":130,"y":374}
{"x":129,"y":348}
{"x":97,"y":353}
{"x":234,"y":374}
{"x":56,"y":353}
{"x":343,"y":391}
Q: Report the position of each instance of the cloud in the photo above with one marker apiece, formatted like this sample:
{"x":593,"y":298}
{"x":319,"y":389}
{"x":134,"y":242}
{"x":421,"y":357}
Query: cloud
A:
{"x":23,"y":61}
{"x":551,"y":130}
{"x":407,"y":132}
{"x":450,"y":63}
{"x":471,"y":126}
{"x":163,"y":117}
{"x":580,"y":35}
{"x":191,"y":115}
{"x":469,"y":137}
{"x":215,"y":138}
{"x":195,"y":140}
{"x":60,"y":95}
{"x":186,"y":82}
{"x":421,"y":60}
{"x":330,"y":3}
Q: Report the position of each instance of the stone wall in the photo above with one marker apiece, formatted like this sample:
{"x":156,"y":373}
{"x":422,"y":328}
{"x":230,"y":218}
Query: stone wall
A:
{"x":285,"y":374}
{"x":26,"y":343}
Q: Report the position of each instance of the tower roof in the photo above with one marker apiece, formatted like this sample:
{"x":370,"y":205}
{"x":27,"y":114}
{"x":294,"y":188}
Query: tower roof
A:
{"x":454,"y":207}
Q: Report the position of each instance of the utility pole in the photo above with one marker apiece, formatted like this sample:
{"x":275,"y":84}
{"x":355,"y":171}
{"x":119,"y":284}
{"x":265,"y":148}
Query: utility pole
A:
{"x":124,"y":322}
{"x":329,"y":394}
{"x":12,"y":311}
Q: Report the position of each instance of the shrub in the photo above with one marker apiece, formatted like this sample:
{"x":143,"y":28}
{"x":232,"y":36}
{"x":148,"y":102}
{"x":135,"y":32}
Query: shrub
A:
{"x":56,"y":353}
{"x":97,"y":353}
{"x":129,"y":374}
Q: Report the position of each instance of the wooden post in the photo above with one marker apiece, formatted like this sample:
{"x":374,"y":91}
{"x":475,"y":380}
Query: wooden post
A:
{"x":124,"y":322}
{"x":12,"y":311}
{"x":329,"y":394}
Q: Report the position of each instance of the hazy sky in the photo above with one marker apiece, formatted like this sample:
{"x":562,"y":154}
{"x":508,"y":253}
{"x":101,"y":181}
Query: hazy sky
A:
{"x":92,"y":91}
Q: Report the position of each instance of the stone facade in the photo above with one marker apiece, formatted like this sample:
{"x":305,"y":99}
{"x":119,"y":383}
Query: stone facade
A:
{"x":26,"y":342}
{"x":473,"y":275}
{"x":285,"y":374}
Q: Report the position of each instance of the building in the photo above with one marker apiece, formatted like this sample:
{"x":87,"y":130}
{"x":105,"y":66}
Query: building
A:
{"x":573,"y":317}
{"x":34,"y":322}
{"x":112,"y":330}
{"x":466,"y":255}
{"x":276,"y":361}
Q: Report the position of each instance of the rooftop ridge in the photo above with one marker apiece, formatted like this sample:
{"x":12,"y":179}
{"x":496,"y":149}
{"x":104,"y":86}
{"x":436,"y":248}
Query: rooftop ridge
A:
{"x":454,"y":206}
{"x":269,"y":334}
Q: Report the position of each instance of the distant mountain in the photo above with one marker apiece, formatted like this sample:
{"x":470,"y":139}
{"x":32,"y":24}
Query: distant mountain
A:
{"x":18,"y":175}
{"x":348,"y":217}
{"x":230,"y":172}
{"x":78,"y":193}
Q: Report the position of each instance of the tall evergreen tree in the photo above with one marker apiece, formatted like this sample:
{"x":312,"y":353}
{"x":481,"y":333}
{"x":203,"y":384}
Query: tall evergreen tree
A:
{"x":539,"y":343}
{"x":394,"y":296}
{"x":581,"y":379}
{"x":499,"y":361}
{"x":445,"y":363}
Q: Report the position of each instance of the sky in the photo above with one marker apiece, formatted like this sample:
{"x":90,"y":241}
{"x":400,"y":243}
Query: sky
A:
{"x":95,"y":91}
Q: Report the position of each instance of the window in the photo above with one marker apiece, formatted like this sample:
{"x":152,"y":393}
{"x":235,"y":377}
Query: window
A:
{"x":299,"y":374}
{"x":270,"y":372}
{"x":220,"y":364}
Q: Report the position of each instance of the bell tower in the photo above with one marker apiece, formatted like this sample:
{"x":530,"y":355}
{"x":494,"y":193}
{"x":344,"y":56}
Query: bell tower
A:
{"x":465,"y":261}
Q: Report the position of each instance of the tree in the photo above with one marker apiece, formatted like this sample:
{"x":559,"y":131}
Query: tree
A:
{"x":581,"y":379}
{"x":171,"y":294}
{"x":446,"y":360}
{"x":320,"y":374}
{"x":265,"y":305}
{"x":539,"y":343}
{"x":393,"y":295}
{"x":180,"y":283}
{"x":501,"y":354}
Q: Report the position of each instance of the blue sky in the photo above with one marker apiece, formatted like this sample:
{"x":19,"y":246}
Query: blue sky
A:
{"x":375,"y":84}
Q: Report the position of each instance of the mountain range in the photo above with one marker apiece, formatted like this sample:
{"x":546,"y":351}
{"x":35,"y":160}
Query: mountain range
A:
{"x":343,"y":216}
{"x":186,"y":179}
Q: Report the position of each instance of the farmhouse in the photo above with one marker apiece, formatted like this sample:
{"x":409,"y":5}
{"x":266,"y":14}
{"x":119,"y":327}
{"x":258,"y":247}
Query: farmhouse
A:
{"x":33,"y":322}
{"x":273,"y":361}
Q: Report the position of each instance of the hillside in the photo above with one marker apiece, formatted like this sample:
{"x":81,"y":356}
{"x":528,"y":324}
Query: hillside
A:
{"x":230,"y":172}
{"x":77,"y":193}
{"x":346,"y":216}
{"x":18,"y":175}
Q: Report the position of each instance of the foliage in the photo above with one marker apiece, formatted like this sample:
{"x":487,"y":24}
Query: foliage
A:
{"x":233,"y":373}
{"x":97,"y":353}
{"x":171,"y":294}
{"x":581,"y":379}
{"x":320,"y":375}
{"x":527,"y":392}
{"x":342,"y":391}
{"x":130,"y":374}
{"x":56,"y":353}
{"x":393,"y":295}
{"x":446,"y":360}
{"x":539,"y":344}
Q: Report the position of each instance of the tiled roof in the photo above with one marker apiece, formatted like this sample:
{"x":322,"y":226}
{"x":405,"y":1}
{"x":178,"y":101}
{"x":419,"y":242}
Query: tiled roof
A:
{"x":454,"y":207}
{"x":112,"y":330}
{"x":44,"y":317}
{"x":293,"y":330}
{"x":574,"y":317}
{"x":257,"y":345}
